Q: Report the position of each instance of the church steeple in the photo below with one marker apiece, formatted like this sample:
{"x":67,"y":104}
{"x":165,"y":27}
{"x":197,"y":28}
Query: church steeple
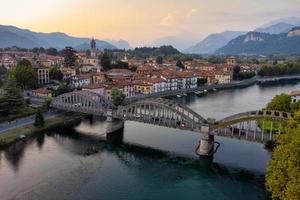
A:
{"x":93,"y":48}
{"x":93,"y":43}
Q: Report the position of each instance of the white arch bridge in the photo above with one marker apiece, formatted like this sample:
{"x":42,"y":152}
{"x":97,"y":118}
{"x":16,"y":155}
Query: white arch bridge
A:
{"x":167,"y":113}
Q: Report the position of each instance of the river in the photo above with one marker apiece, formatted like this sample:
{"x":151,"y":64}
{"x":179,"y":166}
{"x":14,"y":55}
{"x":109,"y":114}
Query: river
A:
{"x":152,"y":163}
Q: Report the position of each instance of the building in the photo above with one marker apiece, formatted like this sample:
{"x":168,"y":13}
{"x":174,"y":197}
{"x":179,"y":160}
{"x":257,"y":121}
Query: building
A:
{"x":96,"y":88}
{"x":231,"y":60}
{"x":81,"y":80}
{"x":295,"y":96}
{"x":94,"y":53}
{"x":222,"y":77}
{"x":67,"y":72}
{"x":158,"y":85}
{"x":186,"y":79}
{"x":43,"y":75}
{"x":142,"y":87}
{"x":42,"y":92}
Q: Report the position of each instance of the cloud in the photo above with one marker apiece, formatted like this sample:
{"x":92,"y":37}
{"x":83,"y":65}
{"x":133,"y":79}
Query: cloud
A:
{"x":191,"y":12}
{"x":169,"y":20}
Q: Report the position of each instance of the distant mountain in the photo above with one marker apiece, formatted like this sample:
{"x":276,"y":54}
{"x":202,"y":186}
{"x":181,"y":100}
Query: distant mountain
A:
{"x":295,"y":21}
{"x":280,"y":27}
{"x":13,"y":36}
{"x":180,"y":42}
{"x":120,"y":44}
{"x":213,"y":42}
{"x":264,"y":43}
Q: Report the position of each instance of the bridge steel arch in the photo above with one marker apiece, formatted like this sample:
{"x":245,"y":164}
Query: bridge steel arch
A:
{"x":247,"y":117}
{"x":83,"y":101}
{"x":162,"y":112}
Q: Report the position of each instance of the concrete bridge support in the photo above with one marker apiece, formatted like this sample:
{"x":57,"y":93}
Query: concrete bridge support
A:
{"x":113,"y":125}
{"x":114,"y":129}
{"x":206,"y":142}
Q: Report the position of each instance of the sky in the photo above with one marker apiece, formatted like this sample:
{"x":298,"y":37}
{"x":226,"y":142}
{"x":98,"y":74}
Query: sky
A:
{"x":142,"y":21}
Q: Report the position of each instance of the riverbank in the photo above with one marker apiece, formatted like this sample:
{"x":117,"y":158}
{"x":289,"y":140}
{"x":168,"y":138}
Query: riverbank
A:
{"x":63,"y":121}
{"x":231,"y":85}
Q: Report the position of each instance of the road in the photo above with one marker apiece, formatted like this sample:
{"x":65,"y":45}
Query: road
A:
{"x":5,"y":126}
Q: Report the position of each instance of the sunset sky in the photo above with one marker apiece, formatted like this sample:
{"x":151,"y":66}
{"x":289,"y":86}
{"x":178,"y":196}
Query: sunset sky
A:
{"x":141,"y":21}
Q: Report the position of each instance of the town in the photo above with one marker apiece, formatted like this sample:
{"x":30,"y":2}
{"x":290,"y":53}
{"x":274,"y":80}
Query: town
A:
{"x":150,"y":100}
{"x":99,"y":72}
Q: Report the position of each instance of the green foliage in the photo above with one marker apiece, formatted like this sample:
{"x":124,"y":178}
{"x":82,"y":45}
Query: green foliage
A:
{"x":106,"y":61}
{"x":295,"y":106}
{"x":201,"y":81}
{"x":62,"y":88}
{"x":159,"y":60}
{"x":215,"y":59}
{"x":283,"y":171}
{"x":179,"y":64}
{"x":24,"y":62}
{"x":69,"y":57}
{"x":236,"y":71}
{"x":289,"y":68}
{"x":117,"y":96}
{"x":52,"y":51}
{"x":11,"y":98}
{"x":55,"y":74}
{"x":146,"y":52}
{"x":280,"y":102}
{"x":245,"y":75}
{"x":39,"y":119}
{"x":120,"y":65}
{"x":46,"y":105}
{"x":25,"y":75}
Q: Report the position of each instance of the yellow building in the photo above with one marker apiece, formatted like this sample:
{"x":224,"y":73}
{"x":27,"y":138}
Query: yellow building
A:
{"x":142,"y":87}
{"x":42,"y":92}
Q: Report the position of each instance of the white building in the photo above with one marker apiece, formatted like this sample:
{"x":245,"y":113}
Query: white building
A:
{"x":295,"y":96}
{"x":81,"y":80}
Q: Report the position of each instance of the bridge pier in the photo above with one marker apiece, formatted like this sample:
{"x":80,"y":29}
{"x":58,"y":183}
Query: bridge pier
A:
{"x":113,"y":125}
{"x":206,"y":142}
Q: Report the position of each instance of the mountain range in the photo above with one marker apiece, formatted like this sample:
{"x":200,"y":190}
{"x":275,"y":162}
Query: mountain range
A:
{"x":216,"y":43}
{"x":229,"y":42}
{"x":13,"y":36}
{"x":213,"y":42}
{"x":264,"y":43}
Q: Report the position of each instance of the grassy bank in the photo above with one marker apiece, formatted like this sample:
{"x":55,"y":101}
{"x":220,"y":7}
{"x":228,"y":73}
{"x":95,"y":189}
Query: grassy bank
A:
{"x":23,"y":111}
{"x":13,"y":135}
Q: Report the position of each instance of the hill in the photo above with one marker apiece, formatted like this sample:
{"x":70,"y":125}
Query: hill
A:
{"x":213,"y":42}
{"x":264,"y":43}
{"x":13,"y":36}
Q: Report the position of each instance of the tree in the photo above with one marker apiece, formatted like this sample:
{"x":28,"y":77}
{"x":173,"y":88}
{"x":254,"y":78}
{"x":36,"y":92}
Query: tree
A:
{"x":39,"y":119}
{"x":280,"y":102}
{"x":69,"y":56}
{"x":117,"y":96}
{"x":201,"y":81}
{"x":12,"y":97}
{"x":215,"y":60}
{"x":52,"y":51}
{"x":62,"y":88}
{"x":236,"y":71}
{"x":159,"y":60}
{"x":283,"y":170}
{"x":55,"y":74}
{"x":25,"y":75}
{"x":106,"y":61}
{"x":46,"y":104}
{"x":179,"y":64}
{"x":120,"y":65}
